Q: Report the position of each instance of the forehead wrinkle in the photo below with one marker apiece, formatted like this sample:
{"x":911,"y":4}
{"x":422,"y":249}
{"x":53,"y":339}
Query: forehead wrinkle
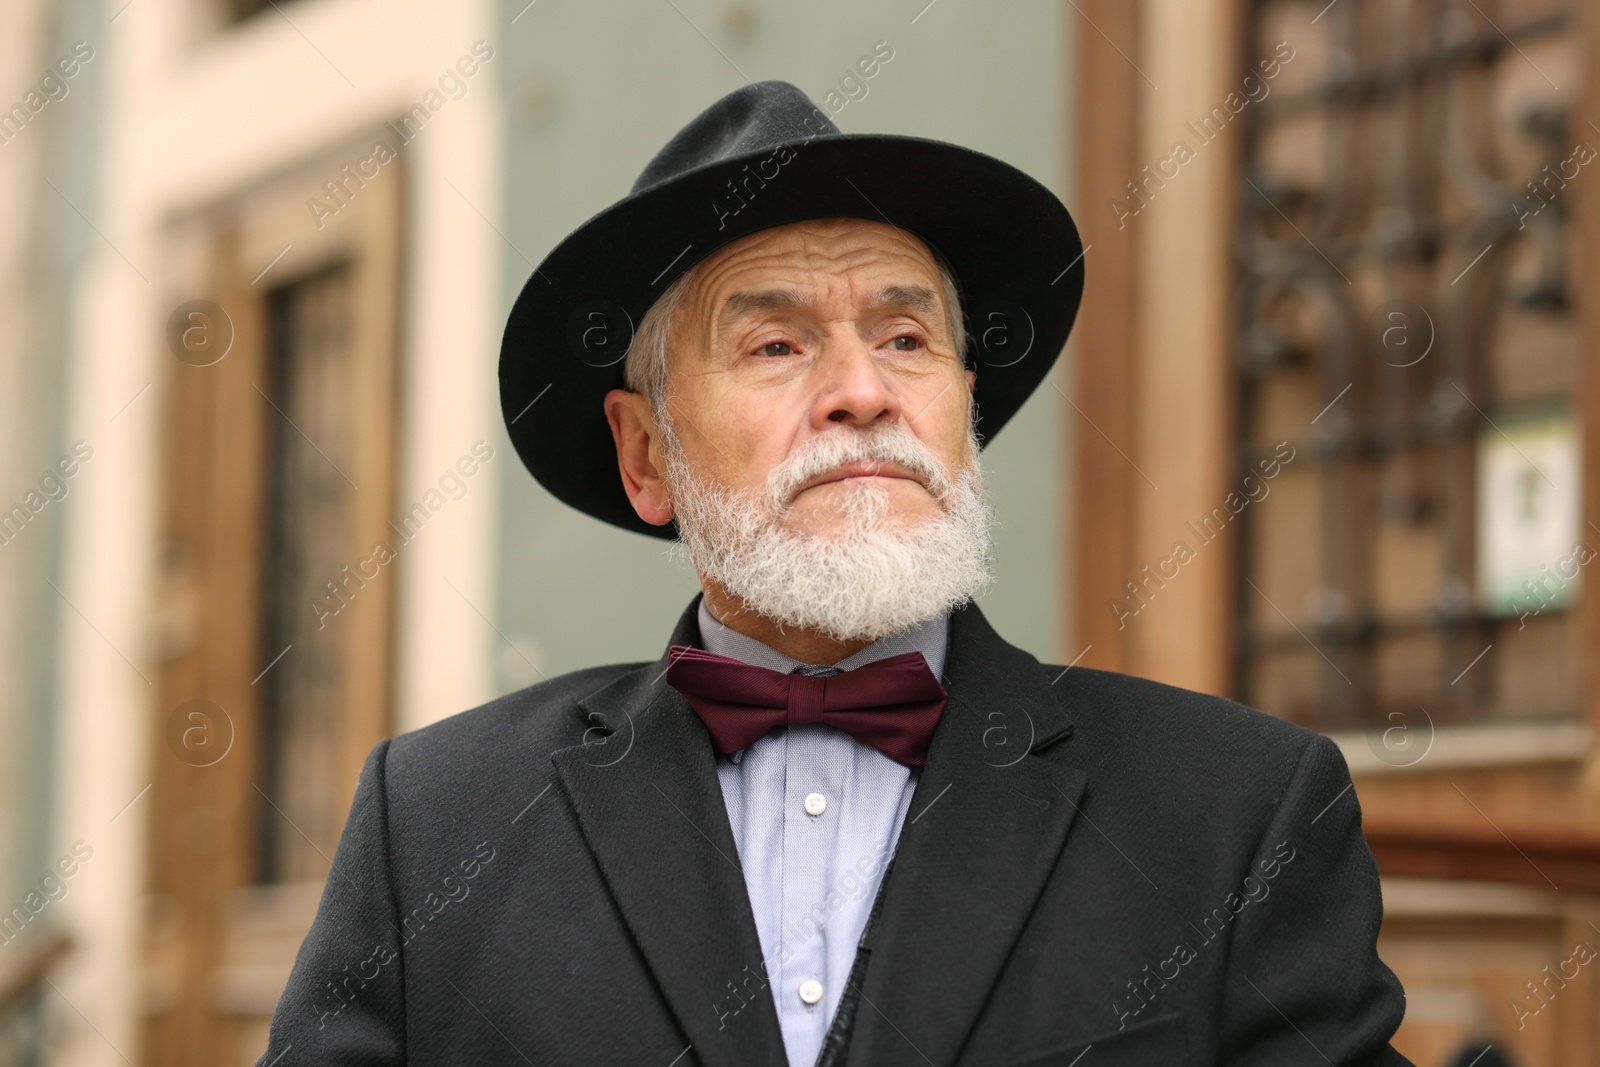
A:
{"x":805,"y":250}
{"x":832,"y":254}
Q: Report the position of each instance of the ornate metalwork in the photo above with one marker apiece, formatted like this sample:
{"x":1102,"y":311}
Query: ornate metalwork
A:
{"x":1403,"y":289}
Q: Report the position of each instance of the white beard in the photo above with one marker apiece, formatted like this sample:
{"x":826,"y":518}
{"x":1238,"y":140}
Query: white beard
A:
{"x":873,"y":576}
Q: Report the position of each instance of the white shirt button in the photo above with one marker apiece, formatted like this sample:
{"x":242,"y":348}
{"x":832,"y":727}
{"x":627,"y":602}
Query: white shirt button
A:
{"x":816,"y":804}
{"x":811,"y":989}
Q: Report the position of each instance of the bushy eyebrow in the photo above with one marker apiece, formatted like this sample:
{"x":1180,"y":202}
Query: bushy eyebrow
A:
{"x":913,"y":297}
{"x":748,"y":302}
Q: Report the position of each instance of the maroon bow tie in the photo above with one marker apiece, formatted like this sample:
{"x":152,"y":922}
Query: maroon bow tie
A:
{"x":891,"y":704}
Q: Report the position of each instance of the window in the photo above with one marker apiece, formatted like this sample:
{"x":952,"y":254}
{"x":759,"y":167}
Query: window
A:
{"x":1407,"y":326}
{"x":309,"y":500}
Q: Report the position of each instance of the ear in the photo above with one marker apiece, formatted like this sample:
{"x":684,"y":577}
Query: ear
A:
{"x":634,"y":433}
{"x":972,"y":380}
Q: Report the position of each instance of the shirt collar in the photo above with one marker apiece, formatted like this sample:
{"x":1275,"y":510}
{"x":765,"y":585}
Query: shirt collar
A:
{"x":930,"y":636}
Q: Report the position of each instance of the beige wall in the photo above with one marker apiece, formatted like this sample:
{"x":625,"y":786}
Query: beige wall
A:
{"x":190,"y":117}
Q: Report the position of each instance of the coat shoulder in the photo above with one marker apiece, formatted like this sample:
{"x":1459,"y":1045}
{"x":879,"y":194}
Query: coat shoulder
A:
{"x":1131,"y":702}
{"x":1192,"y":741}
{"x":528,"y":723}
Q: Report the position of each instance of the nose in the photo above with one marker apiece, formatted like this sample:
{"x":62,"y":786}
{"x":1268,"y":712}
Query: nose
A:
{"x":853,"y":388}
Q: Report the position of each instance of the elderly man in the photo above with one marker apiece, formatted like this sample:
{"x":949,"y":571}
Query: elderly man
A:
{"x":839,"y":820}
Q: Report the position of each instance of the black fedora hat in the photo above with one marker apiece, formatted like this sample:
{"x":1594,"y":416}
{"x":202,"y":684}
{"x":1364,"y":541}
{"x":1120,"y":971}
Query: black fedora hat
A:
{"x":765,"y":156}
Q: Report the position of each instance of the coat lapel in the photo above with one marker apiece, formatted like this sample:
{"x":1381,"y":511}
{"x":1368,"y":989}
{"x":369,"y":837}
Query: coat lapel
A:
{"x":644,"y":787}
{"x":986,"y":824}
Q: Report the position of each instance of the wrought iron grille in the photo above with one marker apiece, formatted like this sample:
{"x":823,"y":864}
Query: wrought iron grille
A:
{"x":1405,"y":323}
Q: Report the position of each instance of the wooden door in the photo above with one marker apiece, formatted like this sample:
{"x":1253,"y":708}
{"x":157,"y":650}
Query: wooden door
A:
{"x":274,"y":622}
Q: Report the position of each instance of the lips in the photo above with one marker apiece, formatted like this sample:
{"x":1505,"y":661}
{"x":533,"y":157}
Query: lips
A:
{"x":861,"y":469}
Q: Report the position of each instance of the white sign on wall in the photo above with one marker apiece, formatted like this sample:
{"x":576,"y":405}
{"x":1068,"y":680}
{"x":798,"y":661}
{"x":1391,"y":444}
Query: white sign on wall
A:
{"x":1529,"y":551}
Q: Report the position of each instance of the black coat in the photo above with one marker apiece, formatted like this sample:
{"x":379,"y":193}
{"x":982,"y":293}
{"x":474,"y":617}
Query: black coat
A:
{"x":1090,"y":859}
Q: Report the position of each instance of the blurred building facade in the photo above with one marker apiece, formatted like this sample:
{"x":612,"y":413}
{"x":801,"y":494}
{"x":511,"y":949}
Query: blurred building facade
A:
{"x":256,"y":276}
{"x":1345,"y":473}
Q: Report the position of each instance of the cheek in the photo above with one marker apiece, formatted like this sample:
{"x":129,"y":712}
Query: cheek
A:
{"x":739,"y":434}
{"x":940,"y":418}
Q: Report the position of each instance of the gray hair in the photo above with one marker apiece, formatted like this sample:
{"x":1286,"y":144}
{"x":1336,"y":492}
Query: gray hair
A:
{"x":645,"y":370}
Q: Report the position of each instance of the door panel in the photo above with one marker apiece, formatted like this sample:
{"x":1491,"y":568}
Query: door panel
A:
{"x":274,"y":623}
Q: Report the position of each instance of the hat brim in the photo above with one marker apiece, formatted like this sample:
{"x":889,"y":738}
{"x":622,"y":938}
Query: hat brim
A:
{"x":1015,"y":251}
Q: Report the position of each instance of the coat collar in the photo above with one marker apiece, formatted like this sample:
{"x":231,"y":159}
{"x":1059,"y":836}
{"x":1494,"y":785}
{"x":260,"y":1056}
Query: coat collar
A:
{"x":986,"y":823}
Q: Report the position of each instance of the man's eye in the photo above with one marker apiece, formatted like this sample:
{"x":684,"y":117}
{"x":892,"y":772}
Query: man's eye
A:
{"x":913,"y":344}
{"x":777,"y":348}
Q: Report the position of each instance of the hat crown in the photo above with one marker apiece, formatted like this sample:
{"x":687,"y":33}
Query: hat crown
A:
{"x":759,"y":115}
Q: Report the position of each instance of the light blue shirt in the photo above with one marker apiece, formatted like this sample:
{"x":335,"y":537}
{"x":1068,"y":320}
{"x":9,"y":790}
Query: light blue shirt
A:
{"x":812,"y":878}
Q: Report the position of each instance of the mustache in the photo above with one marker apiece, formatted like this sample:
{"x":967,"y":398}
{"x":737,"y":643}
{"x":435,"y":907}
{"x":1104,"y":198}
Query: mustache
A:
{"x":888,"y":444}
